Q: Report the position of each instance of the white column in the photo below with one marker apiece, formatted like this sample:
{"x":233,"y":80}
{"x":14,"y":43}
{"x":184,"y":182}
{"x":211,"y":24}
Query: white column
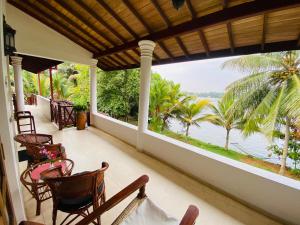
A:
{"x":146,"y":48}
{"x":16,"y":62}
{"x":93,"y":88}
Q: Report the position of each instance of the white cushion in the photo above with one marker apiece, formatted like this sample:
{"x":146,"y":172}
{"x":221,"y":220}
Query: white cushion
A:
{"x":149,"y":214}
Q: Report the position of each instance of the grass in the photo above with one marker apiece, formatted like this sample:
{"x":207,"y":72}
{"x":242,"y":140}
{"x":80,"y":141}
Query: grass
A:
{"x":210,"y":147}
{"x":230,"y":154}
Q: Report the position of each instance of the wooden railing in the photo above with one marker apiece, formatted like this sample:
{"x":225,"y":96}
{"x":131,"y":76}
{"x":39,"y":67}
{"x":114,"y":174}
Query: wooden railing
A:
{"x":62,"y":113}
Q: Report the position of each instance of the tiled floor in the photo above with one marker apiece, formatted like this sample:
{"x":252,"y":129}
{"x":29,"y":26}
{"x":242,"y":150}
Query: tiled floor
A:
{"x":168,"y":188}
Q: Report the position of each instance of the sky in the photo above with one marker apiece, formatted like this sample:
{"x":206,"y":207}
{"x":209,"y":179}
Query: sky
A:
{"x":199,"y":76}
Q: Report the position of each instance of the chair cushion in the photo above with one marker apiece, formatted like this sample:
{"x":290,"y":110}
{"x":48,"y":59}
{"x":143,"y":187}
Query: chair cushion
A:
{"x":149,"y":214}
{"x":71,"y":204}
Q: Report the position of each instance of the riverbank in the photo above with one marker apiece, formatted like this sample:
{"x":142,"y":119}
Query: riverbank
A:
{"x":230,"y":154}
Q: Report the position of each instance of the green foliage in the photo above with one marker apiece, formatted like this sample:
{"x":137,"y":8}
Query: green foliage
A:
{"x":29,"y":83}
{"x":223,"y":116}
{"x":269,"y":93}
{"x":118,"y":93}
{"x":60,"y":87}
{"x":166,"y":100}
{"x":79,"y":83}
{"x":80,"y":105}
{"x":269,"y":98}
{"x":45,"y":83}
{"x":293,"y":151}
{"x":190,"y":113}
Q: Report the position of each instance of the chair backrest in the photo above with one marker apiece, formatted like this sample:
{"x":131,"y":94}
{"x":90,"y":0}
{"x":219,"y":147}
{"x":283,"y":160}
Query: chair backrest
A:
{"x":28,"y":124}
{"x":76,"y":186}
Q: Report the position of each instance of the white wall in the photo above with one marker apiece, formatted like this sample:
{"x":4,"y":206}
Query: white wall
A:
{"x":35,"y":38}
{"x":124,"y":131}
{"x":44,"y":106}
{"x":7,"y":132}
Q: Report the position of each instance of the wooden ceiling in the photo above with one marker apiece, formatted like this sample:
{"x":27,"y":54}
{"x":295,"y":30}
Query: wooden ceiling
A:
{"x":201,"y":29}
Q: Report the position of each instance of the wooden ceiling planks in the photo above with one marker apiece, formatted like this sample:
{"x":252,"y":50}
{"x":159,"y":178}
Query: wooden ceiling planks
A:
{"x":198,"y":30}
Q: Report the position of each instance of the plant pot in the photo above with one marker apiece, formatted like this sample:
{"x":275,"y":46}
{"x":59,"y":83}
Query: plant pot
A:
{"x":81,"y":120}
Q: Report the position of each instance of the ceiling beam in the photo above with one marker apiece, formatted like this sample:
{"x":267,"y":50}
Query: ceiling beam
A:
{"x":83,"y":19}
{"x":121,"y":59}
{"x":148,"y":28}
{"x":191,"y":9}
{"x":104,"y":23}
{"x":131,"y":57}
{"x":118,"y":18}
{"x":269,"y":47}
{"x":230,"y":14}
{"x":224,"y":3}
{"x":168,"y":23}
{"x":121,"y":22}
{"x":47,"y":5}
{"x":204,"y":42}
{"x":114,"y":61}
{"x":69,"y":33}
{"x":100,"y":20}
{"x":200,"y":32}
{"x":263,"y":36}
{"x":230,"y":36}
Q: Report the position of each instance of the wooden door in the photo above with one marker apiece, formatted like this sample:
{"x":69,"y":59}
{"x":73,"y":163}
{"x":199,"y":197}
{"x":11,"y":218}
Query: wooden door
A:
{"x":7,"y":216}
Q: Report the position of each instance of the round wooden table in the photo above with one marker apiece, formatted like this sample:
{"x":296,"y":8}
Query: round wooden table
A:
{"x":32,"y":142}
{"x":33,"y":139}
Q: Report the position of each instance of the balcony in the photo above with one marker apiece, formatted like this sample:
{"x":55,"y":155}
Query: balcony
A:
{"x":170,"y":189}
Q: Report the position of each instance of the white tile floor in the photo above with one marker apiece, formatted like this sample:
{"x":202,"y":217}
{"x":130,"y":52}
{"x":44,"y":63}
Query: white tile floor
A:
{"x":168,"y":188}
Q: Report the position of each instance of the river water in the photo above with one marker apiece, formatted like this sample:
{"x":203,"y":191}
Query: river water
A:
{"x":255,"y":145}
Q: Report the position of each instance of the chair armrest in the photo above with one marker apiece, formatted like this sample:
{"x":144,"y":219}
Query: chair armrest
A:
{"x":190,"y":216}
{"x":138,"y":184}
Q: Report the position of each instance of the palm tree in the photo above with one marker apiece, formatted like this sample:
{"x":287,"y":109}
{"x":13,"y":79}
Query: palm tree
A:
{"x":223,"y":116}
{"x":171,"y":107}
{"x":60,"y":86}
{"x":269,"y":95}
{"x":189,"y":113}
{"x":159,"y":95}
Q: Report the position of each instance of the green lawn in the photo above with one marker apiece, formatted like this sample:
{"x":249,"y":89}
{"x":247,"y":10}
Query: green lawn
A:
{"x":210,"y":147}
{"x":231,"y":154}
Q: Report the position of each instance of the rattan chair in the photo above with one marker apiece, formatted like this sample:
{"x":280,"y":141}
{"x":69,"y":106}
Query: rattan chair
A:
{"x":38,"y":188}
{"x":77,"y":193}
{"x":188,"y":219}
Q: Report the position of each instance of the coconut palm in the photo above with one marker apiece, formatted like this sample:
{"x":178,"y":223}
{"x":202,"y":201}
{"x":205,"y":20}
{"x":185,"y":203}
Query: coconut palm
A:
{"x":270,"y":94}
{"x":189,"y":113}
{"x":171,"y":107}
{"x":222,"y":116}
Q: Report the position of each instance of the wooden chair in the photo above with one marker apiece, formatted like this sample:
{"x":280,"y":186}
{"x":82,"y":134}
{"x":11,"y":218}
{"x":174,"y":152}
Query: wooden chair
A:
{"x":77,"y":193}
{"x":38,"y":188}
{"x":189,"y":217}
{"x":25,"y":122}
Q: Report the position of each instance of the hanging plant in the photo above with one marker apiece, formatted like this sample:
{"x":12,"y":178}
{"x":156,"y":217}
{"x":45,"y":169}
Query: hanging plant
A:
{"x":178,"y":3}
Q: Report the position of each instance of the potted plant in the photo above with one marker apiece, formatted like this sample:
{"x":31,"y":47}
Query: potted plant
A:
{"x":80,"y":108}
